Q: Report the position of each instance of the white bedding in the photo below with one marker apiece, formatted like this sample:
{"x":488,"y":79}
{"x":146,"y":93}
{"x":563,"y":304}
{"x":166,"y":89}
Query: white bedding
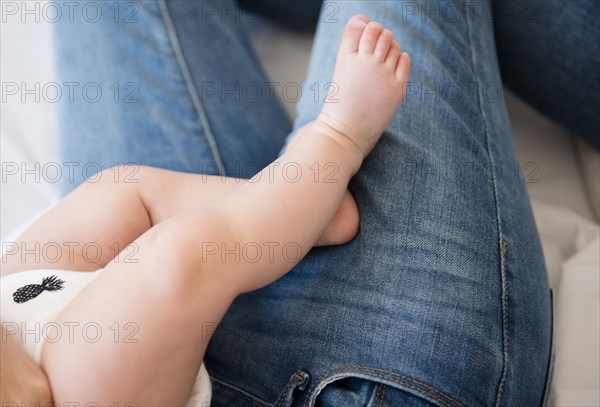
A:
{"x":566,"y":219}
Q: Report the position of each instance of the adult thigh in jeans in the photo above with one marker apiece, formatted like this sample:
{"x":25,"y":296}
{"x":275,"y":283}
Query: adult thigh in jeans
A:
{"x":442,"y":299}
{"x":161,"y":83}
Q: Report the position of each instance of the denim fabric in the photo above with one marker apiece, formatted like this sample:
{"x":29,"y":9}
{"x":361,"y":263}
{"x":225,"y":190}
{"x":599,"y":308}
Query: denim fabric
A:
{"x":443,"y":295}
{"x":162,"y":98}
{"x":442,"y":299}
{"x":562,"y":80}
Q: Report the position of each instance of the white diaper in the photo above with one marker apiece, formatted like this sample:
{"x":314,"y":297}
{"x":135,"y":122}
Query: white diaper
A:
{"x":31,"y":302}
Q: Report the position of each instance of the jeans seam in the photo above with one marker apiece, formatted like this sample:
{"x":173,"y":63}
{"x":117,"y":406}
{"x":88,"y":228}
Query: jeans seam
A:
{"x":402,"y":380}
{"x":378,"y":393}
{"x":296,"y":378}
{"x":285,"y":390}
{"x":374,"y":400}
{"x":187,"y":77}
{"x":383,"y":392}
{"x":550,"y":369}
{"x":501,"y":242}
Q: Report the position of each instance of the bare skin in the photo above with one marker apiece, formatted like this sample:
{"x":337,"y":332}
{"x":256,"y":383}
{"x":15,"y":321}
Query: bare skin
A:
{"x":117,"y":206}
{"x":178,"y":283}
{"x":21,"y":380}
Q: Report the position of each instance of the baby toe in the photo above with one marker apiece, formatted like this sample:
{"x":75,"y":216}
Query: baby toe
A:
{"x":369,"y":38}
{"x":383,"y":45}
{"x":391,"y":60}
{"x":352,"y":33}
{"x":403,"y":68}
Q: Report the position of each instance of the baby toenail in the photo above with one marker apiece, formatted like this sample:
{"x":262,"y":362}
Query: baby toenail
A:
{"x":356,"y":23}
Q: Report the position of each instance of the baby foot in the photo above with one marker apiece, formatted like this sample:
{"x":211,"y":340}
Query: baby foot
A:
{"x":344,"y":225}
{"x":369,"y":82}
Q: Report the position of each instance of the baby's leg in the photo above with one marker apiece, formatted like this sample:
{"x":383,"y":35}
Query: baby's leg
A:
{"x":86,"y":229}
{"x":152,"y":319}
{"x":91,"y":225}
{"x":192,"y":265}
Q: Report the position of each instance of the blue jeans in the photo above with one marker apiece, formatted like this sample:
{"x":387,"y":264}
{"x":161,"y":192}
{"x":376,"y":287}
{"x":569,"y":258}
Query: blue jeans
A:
{"x":442,"y":299}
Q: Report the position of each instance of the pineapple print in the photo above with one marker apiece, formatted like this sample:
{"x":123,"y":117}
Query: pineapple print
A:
{"x":31,"y":291}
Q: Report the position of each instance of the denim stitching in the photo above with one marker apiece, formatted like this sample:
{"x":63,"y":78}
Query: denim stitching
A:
{"x":409,"y":386}
{"x":405,"y":378}
{"x":503,"y":280}
{"x":378,"y":393}
{"x":297,"y":378}
{"x":428,"y":390}
{"x":187,"y":76}
{"x":284,"y":393}
{"x":550,"y":370}
{"x":504,"y":296}
{"x":385,"y":389}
